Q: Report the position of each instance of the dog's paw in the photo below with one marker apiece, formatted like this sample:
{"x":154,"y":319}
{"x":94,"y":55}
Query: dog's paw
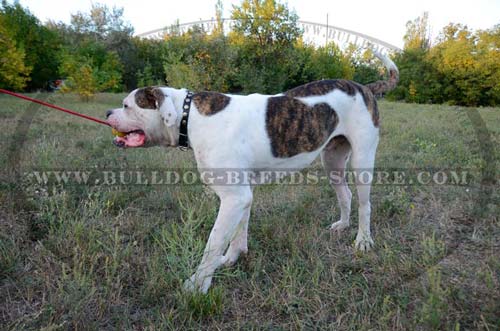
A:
{"x":363,"y":243}
{"x":229,"y":260}
{"x":189,"y":285}
{"x":339,"y":226}
{"x":232,"y":255}
{"x":192,"y":284}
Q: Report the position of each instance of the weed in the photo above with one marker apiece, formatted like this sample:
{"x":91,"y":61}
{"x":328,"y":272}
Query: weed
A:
{"x":433,"y":250}
{"x":9,"y":255}
{"x":201,"y":306}
{"x":434,"y":305}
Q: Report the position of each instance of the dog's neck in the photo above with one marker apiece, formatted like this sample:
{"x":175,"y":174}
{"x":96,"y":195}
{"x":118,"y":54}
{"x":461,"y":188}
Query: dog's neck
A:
{"x":177,"y":96}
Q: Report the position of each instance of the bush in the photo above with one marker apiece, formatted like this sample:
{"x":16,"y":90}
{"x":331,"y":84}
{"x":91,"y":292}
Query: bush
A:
{"x":86,"y":76}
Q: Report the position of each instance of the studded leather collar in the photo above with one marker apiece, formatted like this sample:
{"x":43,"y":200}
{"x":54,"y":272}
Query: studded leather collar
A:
{"x":183,"y":129}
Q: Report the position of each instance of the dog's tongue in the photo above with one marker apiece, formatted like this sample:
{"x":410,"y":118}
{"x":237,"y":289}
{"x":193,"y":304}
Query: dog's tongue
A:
{"x":133,"y":139}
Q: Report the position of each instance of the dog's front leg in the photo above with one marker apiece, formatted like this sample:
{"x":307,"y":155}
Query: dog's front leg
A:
{"x":234,"y":204}
{"x":239,"y":244}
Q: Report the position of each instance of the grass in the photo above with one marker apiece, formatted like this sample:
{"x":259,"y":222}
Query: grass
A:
{"x":99,"y":257}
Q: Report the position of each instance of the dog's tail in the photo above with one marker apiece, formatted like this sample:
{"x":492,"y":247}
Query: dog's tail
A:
{"x":383,"y":86}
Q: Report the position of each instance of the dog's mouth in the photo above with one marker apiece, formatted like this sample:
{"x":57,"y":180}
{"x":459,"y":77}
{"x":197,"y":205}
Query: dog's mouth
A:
{"x":136,"y":138}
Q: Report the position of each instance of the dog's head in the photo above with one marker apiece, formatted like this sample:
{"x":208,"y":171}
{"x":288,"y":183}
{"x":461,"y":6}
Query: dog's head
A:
{"x":147,"y":118}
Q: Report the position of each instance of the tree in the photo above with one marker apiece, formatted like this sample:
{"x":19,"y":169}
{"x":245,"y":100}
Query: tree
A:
{"x":40,"y":45}
{"x":147,"y":77}
{"x":145,"y":53}
{"x":453,"y":58}
{"x":488,"y":54}
{"x":366,"y":68}
{"x":200,"y":61}
{"x":417,"y":33}
{"x":462,"y":67}
{"x":104,"y":26}
{"x":265,"y":34}
{"x":14,"y":74}
{"x":90,"y":70}
{"x":418,"y":81}
{"x":101,"y":22}
{"x":329,"y":62}
{"x":470,"y":64}
{"x":219,"y":9}
{"x":266,"y":21}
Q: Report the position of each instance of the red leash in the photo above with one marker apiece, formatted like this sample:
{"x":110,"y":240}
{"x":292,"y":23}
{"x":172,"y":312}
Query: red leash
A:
{"x":20,"y":96}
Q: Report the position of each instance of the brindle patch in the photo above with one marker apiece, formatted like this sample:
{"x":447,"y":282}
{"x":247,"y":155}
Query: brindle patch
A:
{"x":382,"y":86}
{"x":295,"y":128}
{"x":326,"y":86}
{"x":210,"y":103}
{"x":322,"y":87}
{"x":149,"y":98}
{"x":371,"y":104}
{"x":337,"y":142}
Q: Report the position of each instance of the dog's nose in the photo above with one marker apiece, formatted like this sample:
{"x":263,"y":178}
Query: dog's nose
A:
{"x":109,"y":113}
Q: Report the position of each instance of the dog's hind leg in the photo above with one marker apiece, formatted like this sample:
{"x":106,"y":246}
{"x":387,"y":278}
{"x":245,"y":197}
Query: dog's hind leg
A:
{"x":235,"y":202}
{"x":334,"y":158}
{"x":363,"y":161}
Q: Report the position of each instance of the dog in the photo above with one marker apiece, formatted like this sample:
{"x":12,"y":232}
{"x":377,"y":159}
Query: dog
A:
{"x":337,"y":119}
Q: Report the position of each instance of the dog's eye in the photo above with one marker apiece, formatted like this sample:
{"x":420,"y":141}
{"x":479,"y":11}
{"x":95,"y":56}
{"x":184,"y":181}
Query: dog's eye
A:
{"x":125,"y":106}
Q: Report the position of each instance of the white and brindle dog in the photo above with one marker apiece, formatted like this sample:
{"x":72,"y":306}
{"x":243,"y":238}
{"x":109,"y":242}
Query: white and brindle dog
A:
{"x":336,"y":119}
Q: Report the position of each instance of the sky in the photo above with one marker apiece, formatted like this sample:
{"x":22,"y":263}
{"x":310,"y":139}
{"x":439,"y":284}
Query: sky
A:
{"x":383,"y":19}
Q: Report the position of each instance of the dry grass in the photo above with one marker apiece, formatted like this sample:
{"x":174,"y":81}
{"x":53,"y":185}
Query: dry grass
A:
{"x":96,"y":257}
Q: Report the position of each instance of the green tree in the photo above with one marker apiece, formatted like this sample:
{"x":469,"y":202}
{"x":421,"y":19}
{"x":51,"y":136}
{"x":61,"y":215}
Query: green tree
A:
{"x":266,"y":21}
{"x":453,"y":58}
{"x":90,"y":71}
{"x":265,"y":34}
{"x":366,"y":68}
{"x":329,"y":62}
{"x":488,"y":53}
{"x":219,"y":10}
{"x":101,"y":23}
{"x":200,"y":61}
{"x":146,"y":77}
{"x":469,"y":61}
{"x":40,"y":45}
{"x":14,"y":74}
{"x":462,"y":67}
{"x":419,"y":81}
{"x":146,"y":53}
{"x":417,"y":33}
{"x":105,"y":26}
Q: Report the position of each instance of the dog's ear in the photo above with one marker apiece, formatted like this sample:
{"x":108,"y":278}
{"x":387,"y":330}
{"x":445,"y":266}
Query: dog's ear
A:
{"x":167,"y":110}
{"x":154,"y":98}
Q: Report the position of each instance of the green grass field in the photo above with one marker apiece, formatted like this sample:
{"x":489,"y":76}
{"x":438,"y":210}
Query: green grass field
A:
{"x":106,"y":257}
